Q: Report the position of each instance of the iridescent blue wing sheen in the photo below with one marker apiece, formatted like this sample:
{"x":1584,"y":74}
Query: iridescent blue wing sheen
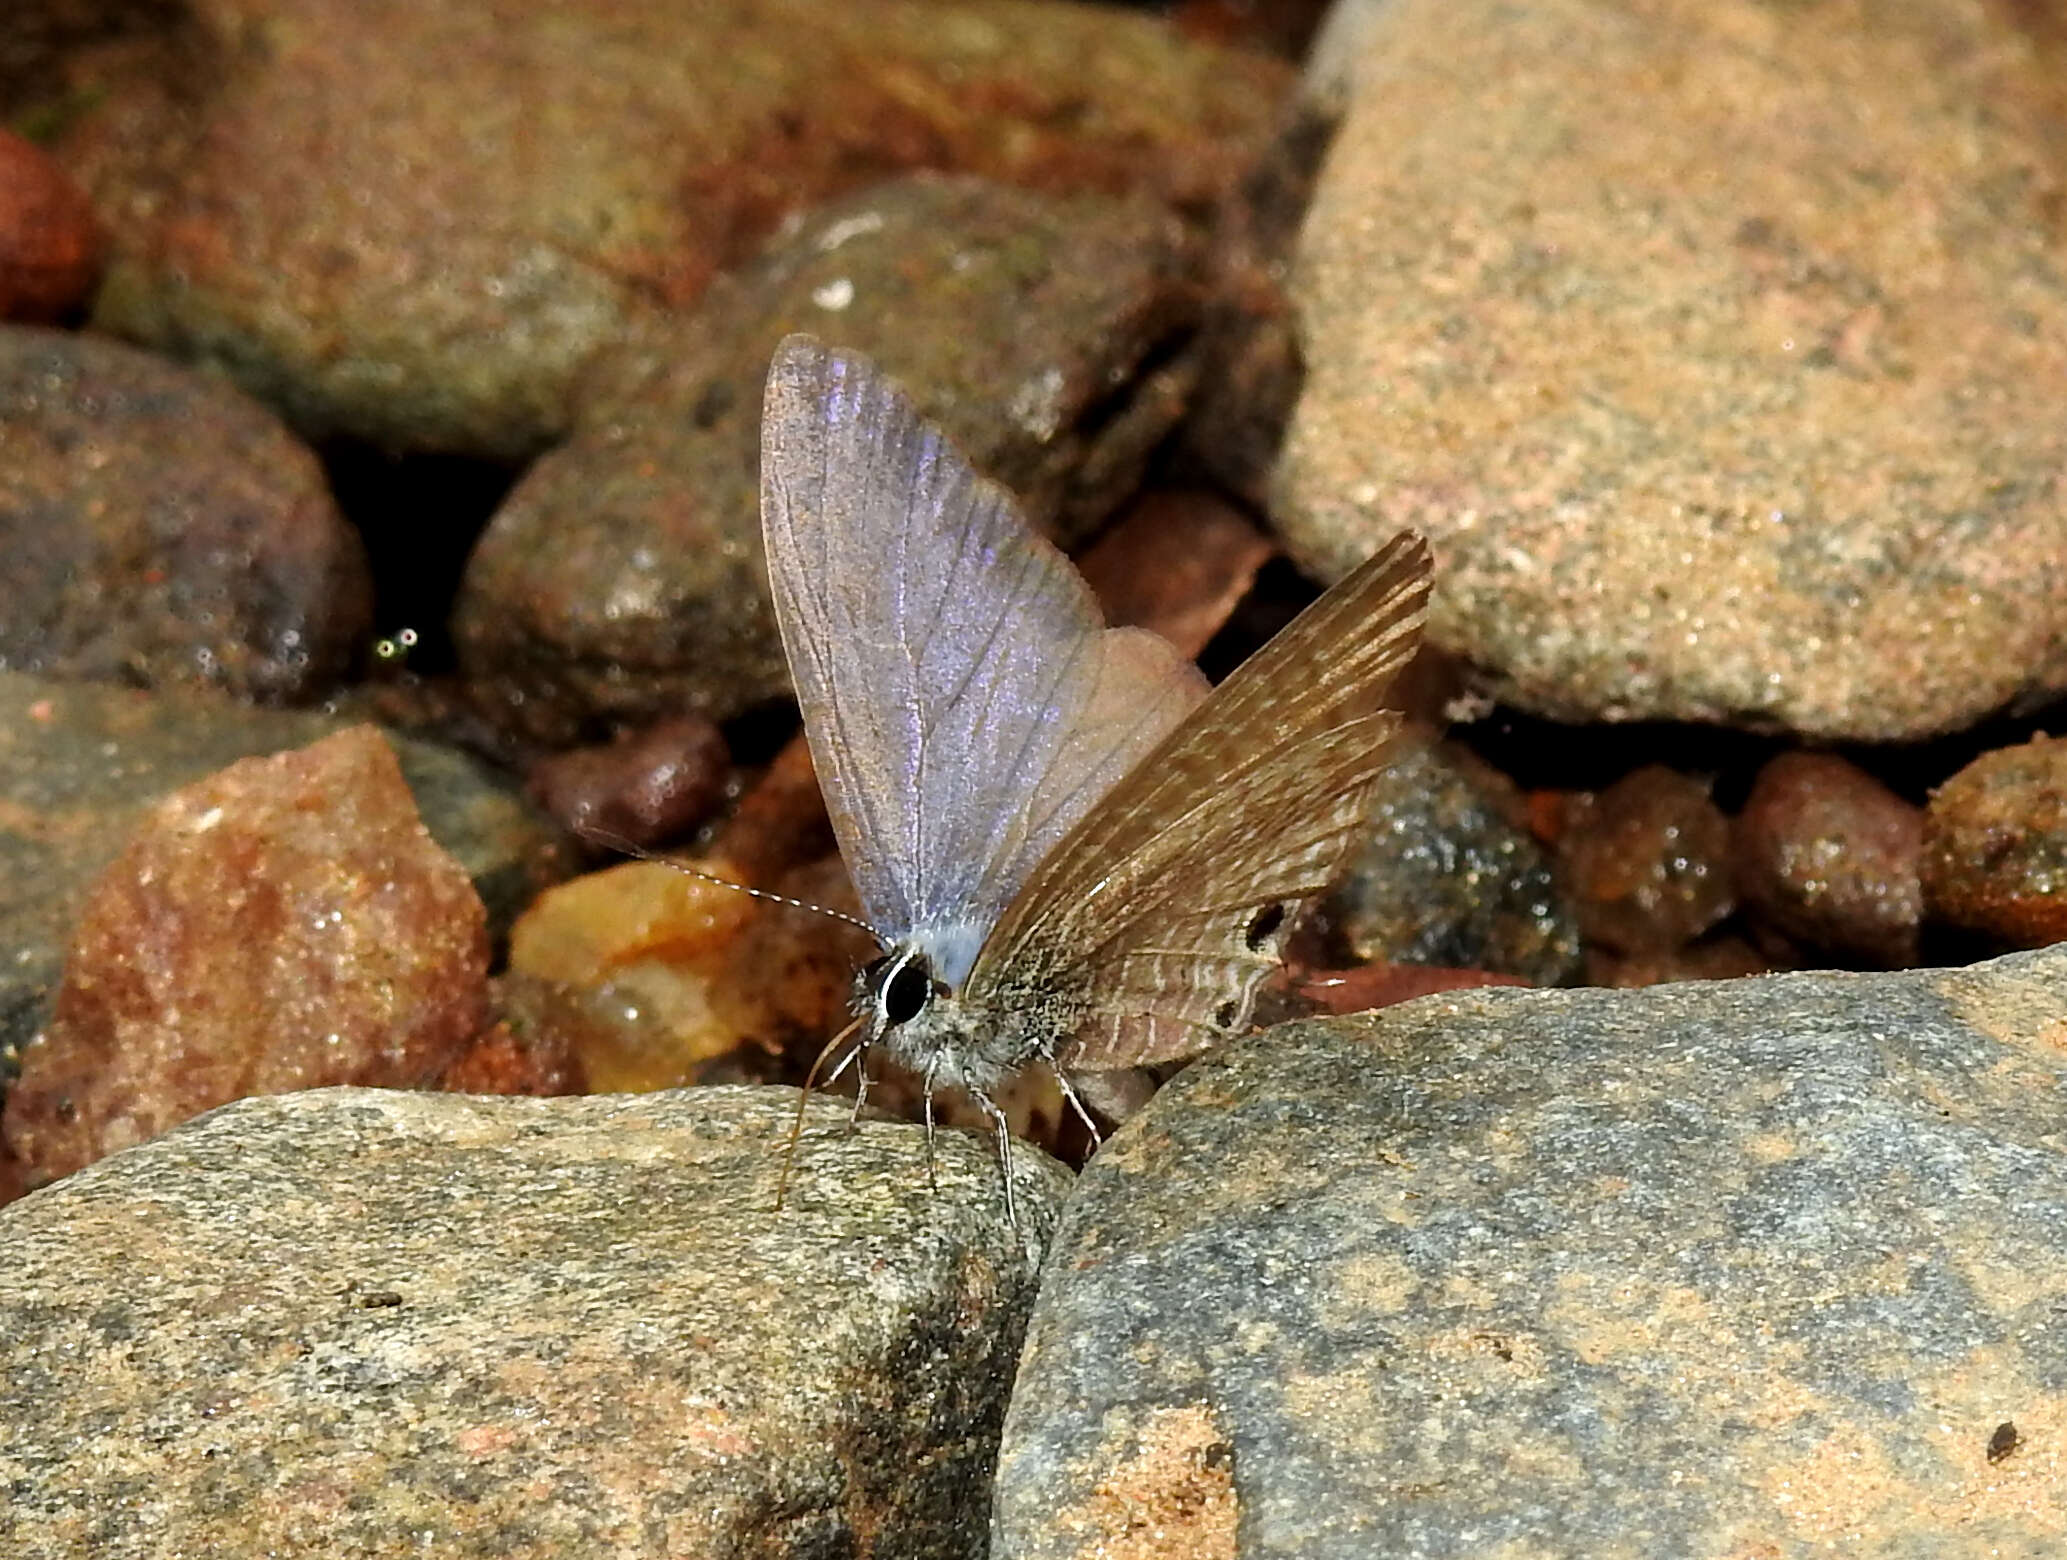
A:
{"x":964,"y":701}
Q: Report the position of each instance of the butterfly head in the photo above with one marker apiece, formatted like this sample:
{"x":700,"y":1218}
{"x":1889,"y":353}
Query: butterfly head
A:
{"x":911,"y":1008}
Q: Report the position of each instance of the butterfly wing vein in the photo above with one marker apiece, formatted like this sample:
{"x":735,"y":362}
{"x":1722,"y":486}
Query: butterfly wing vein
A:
{"x":1148,"y":907}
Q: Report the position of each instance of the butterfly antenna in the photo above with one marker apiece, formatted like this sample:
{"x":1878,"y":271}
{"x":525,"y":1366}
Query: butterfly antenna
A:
{"x":796,"y":1127}
{"x":618,"y":842}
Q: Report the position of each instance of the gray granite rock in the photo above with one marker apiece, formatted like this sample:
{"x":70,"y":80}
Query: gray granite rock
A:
{"x":1706,"y":343}
{"x":1749,"y":1268}
{"x":370,"y":1323}
{"x":80,"y":762}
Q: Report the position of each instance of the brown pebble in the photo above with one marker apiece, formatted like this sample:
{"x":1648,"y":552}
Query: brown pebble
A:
{"x":649,"y":785}
{"x":1712,"y":958}
{"x":283,"y":924}
{"x":780,"y":824}
{"x":50,"y":244}
{"x":1177,"y":563}
{"x":1828,"y":856}
{"x":514,"y":1056}
{"x":1647,"y":862}
{"x":1995,"y":845}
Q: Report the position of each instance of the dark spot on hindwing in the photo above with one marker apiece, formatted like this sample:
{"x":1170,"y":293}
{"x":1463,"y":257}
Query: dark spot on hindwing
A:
{"x":1228,"y":1011}
{"x":1263,"y":926}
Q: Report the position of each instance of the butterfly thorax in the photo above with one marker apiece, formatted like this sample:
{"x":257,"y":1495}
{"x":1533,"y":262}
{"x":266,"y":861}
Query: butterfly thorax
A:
{"x":947,"y":1036}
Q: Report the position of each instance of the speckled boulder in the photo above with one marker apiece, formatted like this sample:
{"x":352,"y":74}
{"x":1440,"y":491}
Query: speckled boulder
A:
{"x":1755,"y":1267}
{"x":283,"y":923}
{"x":372,"y":1323}
{"x":1712,"y":344}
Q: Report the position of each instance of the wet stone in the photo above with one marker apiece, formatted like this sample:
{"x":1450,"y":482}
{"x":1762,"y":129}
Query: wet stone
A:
{"x":622,"y":580}
{"x":1740,"y":1268}
{"x":394,"y":233}
{"x":1448,"y":880}
{"x":1701,"y":340}
{"x":527,"y":1329}
{"x":1828,"y":857}
{"x":283,"y":924}
{"x":160,"y":528}
{"x":1995,"y":845}
{"x":1647,"y":862}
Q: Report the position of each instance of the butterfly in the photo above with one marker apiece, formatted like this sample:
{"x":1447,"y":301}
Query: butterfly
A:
{"x":1069,"y":847}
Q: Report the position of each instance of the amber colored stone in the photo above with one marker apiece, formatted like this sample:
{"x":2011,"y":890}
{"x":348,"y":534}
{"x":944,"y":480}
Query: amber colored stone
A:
{"x":1646,"y":862}
{"x":1995,"y":845}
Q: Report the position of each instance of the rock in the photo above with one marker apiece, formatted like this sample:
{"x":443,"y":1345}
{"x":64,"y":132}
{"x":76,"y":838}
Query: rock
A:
{"x":659,"y":978}
{"x":49,"y":241}
{"x":1647,"y":862}
{"x":376,"y":1323}
{"x":1995,"y":845}
{"x":81,"y":764}
{"x":1447,"y":880}
{"x":1176,"y":563}
{"x":646,"y":786}
{"x":159,"y":528}
{"x":1749,"y":1268}
{"x":417,"y":224}
{"x":623,"y":579}
{"x":670,"y":951}
{"x":1701,"y":341}
{"x":1827,"y":856}
{"x":283,"y":924}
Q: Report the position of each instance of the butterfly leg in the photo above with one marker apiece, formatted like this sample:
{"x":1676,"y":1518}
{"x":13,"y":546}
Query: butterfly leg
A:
{"x":796,"y":1126}
{"x":1003,"y":1129}
{"x":858,"y":1059}
{"x":926,"y":1094}
{"x":1069,"y":1092}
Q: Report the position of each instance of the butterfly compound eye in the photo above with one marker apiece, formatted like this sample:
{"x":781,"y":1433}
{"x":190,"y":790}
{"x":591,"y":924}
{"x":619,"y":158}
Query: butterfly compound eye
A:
{"x":905,"y":997}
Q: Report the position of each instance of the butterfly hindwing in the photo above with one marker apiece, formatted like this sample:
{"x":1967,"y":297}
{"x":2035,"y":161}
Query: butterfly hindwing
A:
{"x":964,"y":702}
{"x":1164,"y":906}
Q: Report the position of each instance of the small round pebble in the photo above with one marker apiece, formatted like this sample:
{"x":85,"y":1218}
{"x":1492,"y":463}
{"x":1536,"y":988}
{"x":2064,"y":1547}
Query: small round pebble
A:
{"x":1995,"y":845}
{"x":1646,"y":862}
{"x":1827,"y":856}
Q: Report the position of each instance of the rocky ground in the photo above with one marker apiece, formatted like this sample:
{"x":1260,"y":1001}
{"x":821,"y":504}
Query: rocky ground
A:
{"x":1651,"y":1151}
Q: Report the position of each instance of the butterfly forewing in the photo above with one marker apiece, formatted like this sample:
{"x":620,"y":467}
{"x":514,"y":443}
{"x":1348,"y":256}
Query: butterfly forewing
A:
{"x":963,"y":699}
{"x":1149,"y":907}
